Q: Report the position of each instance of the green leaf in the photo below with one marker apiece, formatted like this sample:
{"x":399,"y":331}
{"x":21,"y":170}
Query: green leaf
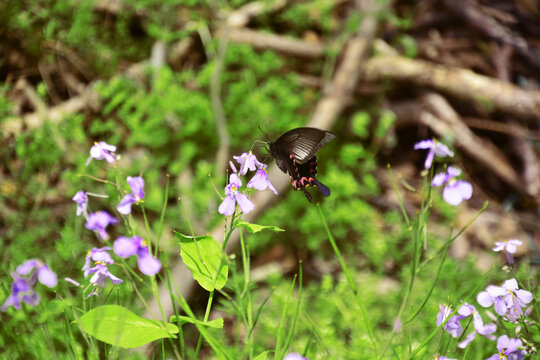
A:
{"x":203,"y":255}
{"x":254,"y":228}
{"x":262,"y":356}
{"x":118,"y":326}
{"x":216,"y":323}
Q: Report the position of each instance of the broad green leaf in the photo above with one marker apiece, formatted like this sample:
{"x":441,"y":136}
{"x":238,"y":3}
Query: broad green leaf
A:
{"x":216,"y":323}
{"x":118,"y":326}
{"x":262,"y":356}
{"x":253,"y":228}
{"x":203,"y":256}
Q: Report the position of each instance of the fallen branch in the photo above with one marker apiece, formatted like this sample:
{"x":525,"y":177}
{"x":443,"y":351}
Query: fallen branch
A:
{"x":461,"y":83}
{"x":281,"y":44}
{"x":435,"y":112}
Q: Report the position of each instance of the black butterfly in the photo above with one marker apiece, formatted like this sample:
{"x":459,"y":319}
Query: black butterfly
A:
{"x":295,"y":152}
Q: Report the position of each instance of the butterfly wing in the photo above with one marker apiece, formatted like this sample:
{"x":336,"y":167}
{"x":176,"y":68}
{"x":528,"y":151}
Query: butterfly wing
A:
{"x":302,"y":143}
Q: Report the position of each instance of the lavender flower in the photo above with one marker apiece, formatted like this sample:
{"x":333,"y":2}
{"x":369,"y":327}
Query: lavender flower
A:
{"x":510,"y":246}
{"x":81,"y":198}
{"x":45,"y":275}
{"x":102,"y":150}
{"x":435,"y":148}
{"x":260,"y":180}
{"x":96,"y":255}
{"x":101,"y":259}
{"x":452,"y":326}
{"x":234,"y":196}
{"x":247,"y":161}
{"x":456,"y":190}
{"x":101,"y":274}
{"x":22,"y":288}
{"x":507,"y":299}
{"x":508,"y":349}
{"x":137,"y":188}
{"x":98,"y":221}
{"x":126,"y":247}
{"x":467,"y":310}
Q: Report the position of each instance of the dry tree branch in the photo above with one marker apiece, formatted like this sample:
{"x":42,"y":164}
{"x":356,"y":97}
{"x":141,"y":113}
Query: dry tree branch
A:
{"x":435,"y":112}
{"x":281,"y":44}
{"x":461,"y":83}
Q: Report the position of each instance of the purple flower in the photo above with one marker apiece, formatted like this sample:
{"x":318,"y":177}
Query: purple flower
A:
{"x":71,"y":281}
{"x":101,"y":259}
{"x":96,"y":255}
{"x":81,"y":198}
{"x":508,"y":349}
{"x":101,"y":274}
{"x":467,"y":310}
{"x":24,"y":279}
{"x":22,"y":290}
{"x":126,"y":247}
{"x":233,"y":196}
{"x":137,"y":188}
{"x":510,"y":246}
{"x":294,"y":356}
{"x":435,"y":148}
{"x":494,"y":295}
{"x":456,"y":190}
{"x":45,"y":275}
{"x":452,"y":326}
{"x":98,"y":221}
{"x":260,"y":180}
{"x":508,"y":299}
{"x":247,"y":161}
{"x":102,"y":150}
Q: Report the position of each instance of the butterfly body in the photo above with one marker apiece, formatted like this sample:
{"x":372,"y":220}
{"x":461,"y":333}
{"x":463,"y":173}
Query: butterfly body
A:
{"x":294,"y":153}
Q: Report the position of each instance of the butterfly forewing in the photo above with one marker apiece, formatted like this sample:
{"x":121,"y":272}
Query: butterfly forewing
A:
{"x":301,"y":143}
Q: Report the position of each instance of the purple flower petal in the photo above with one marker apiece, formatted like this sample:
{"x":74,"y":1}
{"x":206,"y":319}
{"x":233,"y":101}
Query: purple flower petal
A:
{"x":243,"y":202}
{"x":452,"y":195}
{"x":227,"y":206}
{"x":98,"y":221}
{"x":467,"y":340}
{"x":124,"y":207}
{"x":499,"y":245}
{"x":81,"y":198}
{"x":149,"y":265}
{"x":125,"y":247}
{"x":439,"y":179}
{"x":247,"y":161}
{"x":424,"y":144}
{"x":102,"y":150}
{"x":137,"y":186}
{"x":46,"y":276}
{"x":27,"y":266}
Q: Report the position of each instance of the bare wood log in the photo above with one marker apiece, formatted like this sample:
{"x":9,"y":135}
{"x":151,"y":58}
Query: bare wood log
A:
{"x":281,"y":44}
{"x":461,"y":83}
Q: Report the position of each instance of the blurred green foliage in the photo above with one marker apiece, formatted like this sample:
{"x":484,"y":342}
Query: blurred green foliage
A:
{"x":164,"y":125}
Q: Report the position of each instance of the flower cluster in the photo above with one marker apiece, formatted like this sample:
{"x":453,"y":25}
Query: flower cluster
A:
{"x":454,"y":328}
{"x":455,"y":191}
{"x":24,"y":279}
{"x":99,"y":221}
{"x":508,"y":301}
{"x":259,"y":181}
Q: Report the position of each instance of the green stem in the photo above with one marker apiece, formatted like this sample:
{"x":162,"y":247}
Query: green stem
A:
{"x":349,"y":278}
